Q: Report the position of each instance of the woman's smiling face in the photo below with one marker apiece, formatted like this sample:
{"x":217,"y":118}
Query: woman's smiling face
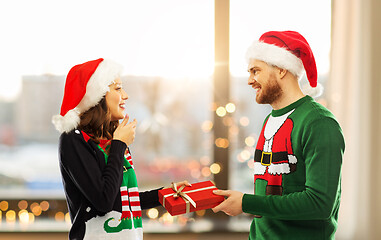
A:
{"x":115,"y":99}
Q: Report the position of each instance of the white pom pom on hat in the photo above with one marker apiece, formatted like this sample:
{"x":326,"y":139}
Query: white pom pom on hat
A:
{"x":86,"y":84}
{"x":288,"y":50}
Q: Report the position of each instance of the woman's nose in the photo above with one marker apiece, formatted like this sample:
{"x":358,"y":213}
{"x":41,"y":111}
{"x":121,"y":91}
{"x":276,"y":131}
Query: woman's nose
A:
{"x":124,"y":95}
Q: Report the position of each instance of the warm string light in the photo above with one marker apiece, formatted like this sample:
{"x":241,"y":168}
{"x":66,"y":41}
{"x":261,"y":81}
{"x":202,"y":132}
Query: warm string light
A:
{"x":26,"y":214}
{"x":23,"y":204}
{"x":67,"y":218}
{"x":207,"y":126}
{"x":10,"y":216}
{"x":167,"y":219}
{"x":44,"y":206}
{"x":200,"y":213}
{"x":4,"y":206}
{"x":250,"y":141}
{"x":230,"y":107}
{"x":244,"y":121}
{"x":222,"y":142}
{"x":246,"y":154}
{"x":215,"y":168}
{"x":24,"y":217}
{"x":59,"y":216}
{"x":222,"y":111}
{"x":153,"y":213}
{"x":36,"y":209}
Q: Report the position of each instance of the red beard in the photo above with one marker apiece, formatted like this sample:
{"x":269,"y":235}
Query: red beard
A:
{"x":269,"y":93}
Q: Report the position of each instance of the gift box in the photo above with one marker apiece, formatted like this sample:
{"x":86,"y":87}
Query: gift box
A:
{"x":187,"y":199}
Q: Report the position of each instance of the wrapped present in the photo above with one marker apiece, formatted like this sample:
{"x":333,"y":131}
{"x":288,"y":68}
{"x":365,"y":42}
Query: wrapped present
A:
{"x":187,"y":199}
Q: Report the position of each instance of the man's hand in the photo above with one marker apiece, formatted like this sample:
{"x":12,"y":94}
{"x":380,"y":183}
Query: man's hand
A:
{"x":232,"y":206}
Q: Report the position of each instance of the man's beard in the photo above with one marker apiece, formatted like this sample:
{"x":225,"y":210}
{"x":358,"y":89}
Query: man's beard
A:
{"x":270,"y":92}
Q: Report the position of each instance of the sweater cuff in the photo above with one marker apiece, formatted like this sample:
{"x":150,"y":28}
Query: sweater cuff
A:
{"x":118,"y":146}
{"x":251,"y":204}
{"x":149,"y":199}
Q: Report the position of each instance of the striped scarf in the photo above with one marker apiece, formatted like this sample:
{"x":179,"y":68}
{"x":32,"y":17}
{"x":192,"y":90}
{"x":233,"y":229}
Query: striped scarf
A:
{"x":131,"y":211}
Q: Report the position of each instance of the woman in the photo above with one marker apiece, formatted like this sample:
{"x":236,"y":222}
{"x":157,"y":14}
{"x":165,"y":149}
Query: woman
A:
{"x":96,"y":165}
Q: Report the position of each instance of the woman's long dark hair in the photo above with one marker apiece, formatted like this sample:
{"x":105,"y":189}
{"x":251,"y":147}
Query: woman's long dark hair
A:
{"x":97,"y":122}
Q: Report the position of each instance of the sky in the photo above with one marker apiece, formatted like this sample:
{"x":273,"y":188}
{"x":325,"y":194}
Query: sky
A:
{"x":169,"y":38}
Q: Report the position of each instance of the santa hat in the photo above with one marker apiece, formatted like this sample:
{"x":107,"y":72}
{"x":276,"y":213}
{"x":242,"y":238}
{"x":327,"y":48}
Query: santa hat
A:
{"x":86,"y":84}
{"x":288,"y":50}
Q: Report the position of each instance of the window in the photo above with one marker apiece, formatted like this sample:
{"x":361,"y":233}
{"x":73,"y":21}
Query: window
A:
{"x":167,"y":54}
{"x":248,"y":21}
{"x":167,"y":49}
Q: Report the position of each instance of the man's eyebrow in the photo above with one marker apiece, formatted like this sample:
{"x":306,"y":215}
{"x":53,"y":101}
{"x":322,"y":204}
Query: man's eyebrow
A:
{"x":251,"y":69}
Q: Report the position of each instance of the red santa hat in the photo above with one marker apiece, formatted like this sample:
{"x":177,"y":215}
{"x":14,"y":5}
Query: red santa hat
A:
{"x":86,"y":84}
{"x":288,"y":50}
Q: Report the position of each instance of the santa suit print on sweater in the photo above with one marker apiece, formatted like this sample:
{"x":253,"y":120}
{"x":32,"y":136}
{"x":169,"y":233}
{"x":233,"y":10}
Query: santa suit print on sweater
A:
{"x":274,"y":156}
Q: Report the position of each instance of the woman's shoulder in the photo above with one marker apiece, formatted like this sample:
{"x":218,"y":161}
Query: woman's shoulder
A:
{"x":74,"y":136}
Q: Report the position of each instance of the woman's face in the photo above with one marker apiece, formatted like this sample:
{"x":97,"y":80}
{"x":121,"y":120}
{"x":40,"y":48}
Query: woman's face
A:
{"x":115,"y":99}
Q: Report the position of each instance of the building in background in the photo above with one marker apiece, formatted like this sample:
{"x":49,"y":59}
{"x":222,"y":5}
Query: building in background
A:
{"x":39,"y":100}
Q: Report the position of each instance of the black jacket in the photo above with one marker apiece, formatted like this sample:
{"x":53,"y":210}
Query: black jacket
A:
{"x":92,"y":188}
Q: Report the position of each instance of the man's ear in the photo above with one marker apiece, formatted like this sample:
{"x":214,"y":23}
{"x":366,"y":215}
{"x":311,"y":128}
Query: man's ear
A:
{"x":282,"y":72}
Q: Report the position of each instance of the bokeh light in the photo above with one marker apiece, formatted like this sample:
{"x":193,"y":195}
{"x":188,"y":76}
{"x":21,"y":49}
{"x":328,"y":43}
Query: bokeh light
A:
{"x":23,"y":205}
{"x":60,"y":216}
{"x":222,"y":142}
{"x":167,"y":218}
{"x":207,"y":126}
{"x":24,"y":216}
{"x":205,"y":171}
{"x":44,"y":205}
{"x":221,"y":111}
{"x":67,"y":218}
{"x":10,"y":216}
{"x":4,"y":206}
{"x":153,"y":213}
{"x":228,"y":121}
{"x":230,"y":107}
{"x":215,"y":168}
{"x":36,"y":209}
{"x":244,"y":121}
{"x":31,"y":217}
{"x":200,"y":213}
{"x":245,"y":155}
{"x":250,"y":141}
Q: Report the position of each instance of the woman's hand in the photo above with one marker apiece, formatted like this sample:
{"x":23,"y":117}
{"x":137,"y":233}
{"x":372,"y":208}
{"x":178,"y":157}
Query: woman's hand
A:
{"x":125,"y":132}
{"x":179,"y":184}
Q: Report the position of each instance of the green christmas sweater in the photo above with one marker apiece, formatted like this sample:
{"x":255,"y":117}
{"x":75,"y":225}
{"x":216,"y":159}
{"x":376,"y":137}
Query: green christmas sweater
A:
{"x":297,"y":174}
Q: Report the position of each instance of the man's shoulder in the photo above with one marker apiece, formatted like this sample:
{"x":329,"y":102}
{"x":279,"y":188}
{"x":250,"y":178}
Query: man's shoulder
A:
{"x":311,"y":111}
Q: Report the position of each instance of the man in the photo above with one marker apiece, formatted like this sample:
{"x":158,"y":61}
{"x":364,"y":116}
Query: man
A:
{"x":297,"y":161}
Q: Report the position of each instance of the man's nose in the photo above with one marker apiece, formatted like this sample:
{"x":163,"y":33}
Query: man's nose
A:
{"x":250,"y":80}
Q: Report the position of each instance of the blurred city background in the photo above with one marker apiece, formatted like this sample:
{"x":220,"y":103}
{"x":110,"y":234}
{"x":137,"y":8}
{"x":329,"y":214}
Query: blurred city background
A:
{"x":186,"y":77}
